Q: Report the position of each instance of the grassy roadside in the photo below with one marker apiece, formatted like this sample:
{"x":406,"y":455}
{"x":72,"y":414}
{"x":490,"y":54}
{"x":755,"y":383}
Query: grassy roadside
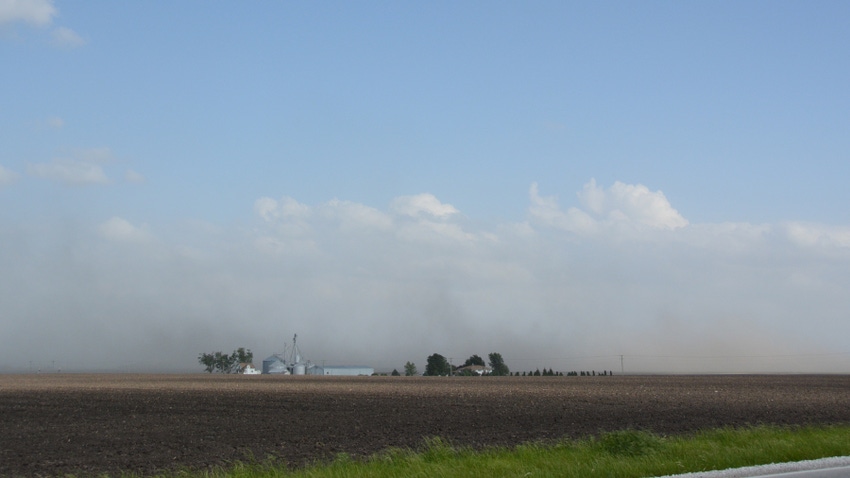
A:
{"x":617,"y":454}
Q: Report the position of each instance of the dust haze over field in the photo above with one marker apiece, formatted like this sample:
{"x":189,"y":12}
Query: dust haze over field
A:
{"x":562,"y":183}
{"x":607,"y":272}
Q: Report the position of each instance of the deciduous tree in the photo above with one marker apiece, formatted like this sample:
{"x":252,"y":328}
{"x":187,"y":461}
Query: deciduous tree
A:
{"x":410,"y":369}
{"x":497,"y":364}
{"x":474,"y":360}
{"x":208,"y":361}
{"x":223,"y":363}
{"x":437,"y":365}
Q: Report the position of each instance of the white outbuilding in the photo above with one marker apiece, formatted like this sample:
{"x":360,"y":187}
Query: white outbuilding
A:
{"x":247,"y":369}
{"x":341,"y":370}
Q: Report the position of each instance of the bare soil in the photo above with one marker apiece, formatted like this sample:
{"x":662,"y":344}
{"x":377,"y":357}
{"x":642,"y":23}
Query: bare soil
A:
{"x":91,"y":424}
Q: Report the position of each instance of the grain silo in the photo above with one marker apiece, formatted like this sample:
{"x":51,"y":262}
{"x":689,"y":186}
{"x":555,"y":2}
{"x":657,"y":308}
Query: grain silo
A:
{"x":291,"y":362}
{"x":275,"y":364}
{"x":296,"y":366}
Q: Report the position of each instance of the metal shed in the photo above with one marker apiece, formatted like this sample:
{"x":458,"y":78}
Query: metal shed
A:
{"x":341,"y":370}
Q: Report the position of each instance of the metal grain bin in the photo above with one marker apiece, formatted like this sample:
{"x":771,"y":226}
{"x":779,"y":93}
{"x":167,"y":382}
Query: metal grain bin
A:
{"x":274,"y":364}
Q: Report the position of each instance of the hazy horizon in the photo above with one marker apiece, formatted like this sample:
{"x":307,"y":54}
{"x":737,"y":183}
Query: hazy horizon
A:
{"x":562,"y":183}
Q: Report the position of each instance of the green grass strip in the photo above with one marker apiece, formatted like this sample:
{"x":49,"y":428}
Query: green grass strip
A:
{"x":619,"y":454}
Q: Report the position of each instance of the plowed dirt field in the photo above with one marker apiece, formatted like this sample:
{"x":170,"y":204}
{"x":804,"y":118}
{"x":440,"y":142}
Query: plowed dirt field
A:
{"x":90,"y":424}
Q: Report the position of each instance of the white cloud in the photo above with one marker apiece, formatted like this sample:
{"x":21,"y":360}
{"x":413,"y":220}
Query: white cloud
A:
{"x":290,"y":208}
{"x":423,"y":218}
{"x":64,"y":37}
{"x":7,"y":176}
{"x":265,"y":207}
{"x":632,"y":203}
{"x":287,"y":208}
{"x":69,"y":171}
{"x":39,"y":13}
{"x":84,"y":167}
{"x":546,"y":210}
{"x":815,"y":235}
{"x":289,"y":219}
{"x":133,"y":177}
{"x":593,"y":198}
{"x":425,"y":203}
{"x":621,"y":205}
{"x":34,"y":12}
{"x":353,"y":216}
{"x":728,"y":237}
{"x":436,"y":233}
{"x":119,"y":229}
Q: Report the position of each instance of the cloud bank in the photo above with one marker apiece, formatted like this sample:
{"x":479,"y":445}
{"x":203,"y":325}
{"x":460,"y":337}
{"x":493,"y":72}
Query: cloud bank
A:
{"x":621,"y":205}
{"x":83,"y":168}
{"x":620,"y":272}
{"x":34,"y":12}
{"x":69,"y":171}
{"x":39,"y":13}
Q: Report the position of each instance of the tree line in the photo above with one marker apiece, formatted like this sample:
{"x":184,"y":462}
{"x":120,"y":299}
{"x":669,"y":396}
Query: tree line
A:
{"x":551,"y":373}
{"x":222,"y":363}
{"x":438,"y":365}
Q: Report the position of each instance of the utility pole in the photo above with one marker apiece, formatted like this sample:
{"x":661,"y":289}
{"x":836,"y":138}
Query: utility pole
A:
{"x":622,"y":369}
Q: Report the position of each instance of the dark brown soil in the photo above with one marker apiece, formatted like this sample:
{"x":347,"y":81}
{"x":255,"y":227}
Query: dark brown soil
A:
{"x":91,"y":424}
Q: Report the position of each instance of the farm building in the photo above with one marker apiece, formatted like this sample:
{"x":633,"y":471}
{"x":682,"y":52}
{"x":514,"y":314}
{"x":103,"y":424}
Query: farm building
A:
{"x":275,"y":364}
{"x":473,"y":369}
{"x":347,"y":370}
{"x":247,"y":369}
{"x":293,"y":363}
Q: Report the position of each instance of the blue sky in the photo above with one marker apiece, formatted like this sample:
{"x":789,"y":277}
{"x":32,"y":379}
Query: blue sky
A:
{"x":668,"y":170}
